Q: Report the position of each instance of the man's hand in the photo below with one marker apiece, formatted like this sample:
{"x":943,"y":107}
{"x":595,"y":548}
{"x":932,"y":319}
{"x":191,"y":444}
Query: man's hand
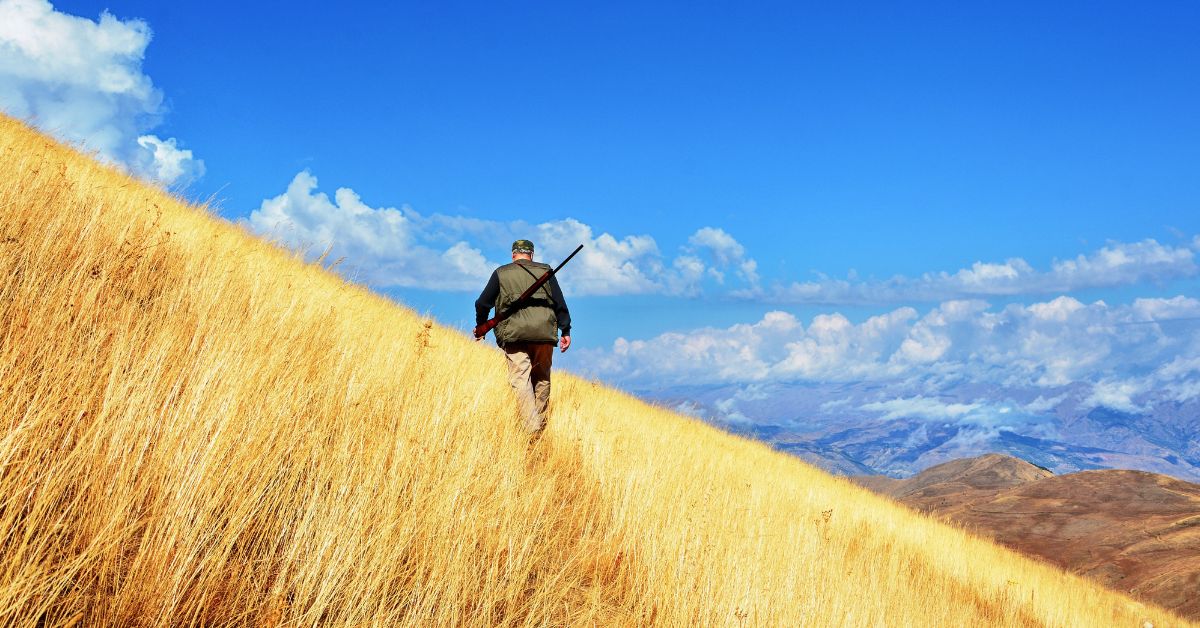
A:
{"x":564,"y":343}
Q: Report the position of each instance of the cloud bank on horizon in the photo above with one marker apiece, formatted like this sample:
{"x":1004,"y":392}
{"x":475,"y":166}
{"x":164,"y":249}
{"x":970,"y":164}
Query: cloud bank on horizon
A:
{"x":399,"y":247}
{"x":390,"y":246}
{"x":82,"y":81}
{"x":1116,"y":264}
{"x":1127,"y":354}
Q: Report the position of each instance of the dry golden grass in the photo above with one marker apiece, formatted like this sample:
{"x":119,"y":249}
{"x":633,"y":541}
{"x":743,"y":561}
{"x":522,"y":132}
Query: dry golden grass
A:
{"x":199,"y":428}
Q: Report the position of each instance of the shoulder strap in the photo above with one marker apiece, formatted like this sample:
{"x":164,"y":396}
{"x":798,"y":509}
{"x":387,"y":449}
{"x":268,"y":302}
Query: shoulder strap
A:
{"x":545,"y":287}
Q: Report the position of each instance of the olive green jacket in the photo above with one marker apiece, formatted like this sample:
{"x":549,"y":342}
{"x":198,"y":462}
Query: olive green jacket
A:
{"x":539,"y":318}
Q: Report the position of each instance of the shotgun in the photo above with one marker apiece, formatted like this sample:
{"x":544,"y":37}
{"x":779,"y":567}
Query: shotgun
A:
{"x":483,"y":328}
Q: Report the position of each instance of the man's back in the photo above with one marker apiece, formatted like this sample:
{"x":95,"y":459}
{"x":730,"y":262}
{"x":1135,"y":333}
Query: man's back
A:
{"x":535,"y":320}
{"x":539,"y":318}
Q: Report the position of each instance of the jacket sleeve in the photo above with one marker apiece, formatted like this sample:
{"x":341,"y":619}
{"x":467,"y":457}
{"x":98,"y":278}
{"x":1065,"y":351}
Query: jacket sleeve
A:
{"x":487,"y":299}
{"x":560,"y":309}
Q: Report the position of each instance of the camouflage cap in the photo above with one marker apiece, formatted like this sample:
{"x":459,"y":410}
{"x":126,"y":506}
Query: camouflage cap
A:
{"x":523,"y":246}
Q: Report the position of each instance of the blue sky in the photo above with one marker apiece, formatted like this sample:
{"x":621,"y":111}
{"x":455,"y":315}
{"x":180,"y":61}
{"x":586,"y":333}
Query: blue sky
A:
{"x":889,"y":140}
{"x":744,"y":159}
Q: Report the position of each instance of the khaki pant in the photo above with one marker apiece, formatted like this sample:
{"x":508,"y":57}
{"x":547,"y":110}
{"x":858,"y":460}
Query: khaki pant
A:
{"x":529,"y":376}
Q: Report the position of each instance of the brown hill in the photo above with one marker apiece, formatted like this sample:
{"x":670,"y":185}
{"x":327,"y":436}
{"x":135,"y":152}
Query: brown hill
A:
{"x":1133,"y":531}
{"x":967,"y":476}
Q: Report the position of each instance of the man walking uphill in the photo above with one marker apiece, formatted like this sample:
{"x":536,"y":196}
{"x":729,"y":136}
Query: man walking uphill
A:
{"x":528,"y":334}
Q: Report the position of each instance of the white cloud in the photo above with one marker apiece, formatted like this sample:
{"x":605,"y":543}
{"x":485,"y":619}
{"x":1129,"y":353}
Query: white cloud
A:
{"x":464,"y":260}
{"x":383,"y":245}
{"x":1177,"y":308}
{"x":725,"y":251}
{"x":606,"y":265}
{"x":162,"y":160}
{"x":1121,"y":352}
{"x":1180,"y":378}
{"x":920,"y":407}
{"x":975,"y":425}
{"x":1116,"y":264}
{"x":82,"y":81}
{"x":1180,"y":367}
{"x":833,"y":348}
{"x":389,"y":246}
{"x":1044,"y":404}
{"x":1116,"y":394}
{"x":1119,"y":264}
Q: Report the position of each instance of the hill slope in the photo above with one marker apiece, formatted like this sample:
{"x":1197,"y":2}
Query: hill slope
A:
{"x":1131,"y":530}
{"x":962,"y":478}
{"x":198,"y":427}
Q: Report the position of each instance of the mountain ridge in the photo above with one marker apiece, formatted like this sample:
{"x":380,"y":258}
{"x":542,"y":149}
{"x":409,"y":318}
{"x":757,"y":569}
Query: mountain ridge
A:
{"x":829,"y":426}
{"x":1134,"y":531}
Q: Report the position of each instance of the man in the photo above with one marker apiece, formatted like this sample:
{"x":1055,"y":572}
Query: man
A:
{"x":529,"y":334}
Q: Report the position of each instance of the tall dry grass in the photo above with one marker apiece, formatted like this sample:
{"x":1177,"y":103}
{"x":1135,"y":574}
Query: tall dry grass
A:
{"x":199,"y":428}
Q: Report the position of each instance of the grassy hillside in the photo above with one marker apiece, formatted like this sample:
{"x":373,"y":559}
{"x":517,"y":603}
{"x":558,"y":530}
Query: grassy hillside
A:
{"x":196,"y":427}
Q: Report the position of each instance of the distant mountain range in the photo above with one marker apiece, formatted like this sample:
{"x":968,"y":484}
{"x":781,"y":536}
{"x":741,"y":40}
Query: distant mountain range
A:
{"x":1135,"y":532}
{"x":875,"y":428}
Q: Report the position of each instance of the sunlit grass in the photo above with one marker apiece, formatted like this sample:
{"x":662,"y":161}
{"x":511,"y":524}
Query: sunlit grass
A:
{"x":198,"y":427}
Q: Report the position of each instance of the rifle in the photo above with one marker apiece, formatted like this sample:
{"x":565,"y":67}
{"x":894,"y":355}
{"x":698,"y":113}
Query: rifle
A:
{"x":482,"y":329}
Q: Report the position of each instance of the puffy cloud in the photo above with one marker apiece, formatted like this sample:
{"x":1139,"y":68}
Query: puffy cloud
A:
{"x":739,"y":353}
{"x":384,"y":245}
{"x":1115,"y":394}
{"x":1119,"y":264}
{"x":633,"y":264}
{"x":922,"y":407}
{"x":389,"y":246}
{"x":1116,"y":264}
{"x":834,"y":349}
{"x":162,"y":160}
{"x":606,"y":265}
{"x":725,"y":251}
{"x":82,"y":81}
{"x":1122,"y":352}
{"x":1044,"y":404}
{"x":976,"y":424}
